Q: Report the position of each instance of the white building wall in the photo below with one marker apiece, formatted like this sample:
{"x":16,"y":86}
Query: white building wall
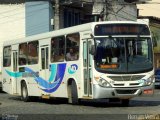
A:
{"x":12,"y":23}
{"x":123,"y":12}
{"x":115,"y":11}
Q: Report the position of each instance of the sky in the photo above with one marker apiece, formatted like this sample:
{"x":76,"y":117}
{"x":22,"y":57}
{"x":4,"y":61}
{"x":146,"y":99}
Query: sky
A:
{"x":151,"y":9}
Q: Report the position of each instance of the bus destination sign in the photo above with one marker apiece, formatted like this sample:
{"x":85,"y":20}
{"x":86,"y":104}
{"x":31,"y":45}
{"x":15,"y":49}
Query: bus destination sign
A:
{"x":121,"y":29}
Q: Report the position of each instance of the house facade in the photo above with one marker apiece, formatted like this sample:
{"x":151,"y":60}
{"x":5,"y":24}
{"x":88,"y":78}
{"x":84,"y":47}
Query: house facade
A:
{"x":12,"y":21}
{"x":72,"y":12}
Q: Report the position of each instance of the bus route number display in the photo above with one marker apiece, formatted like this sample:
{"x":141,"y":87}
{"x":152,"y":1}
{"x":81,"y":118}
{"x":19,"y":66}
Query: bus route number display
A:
{"x":121,"y":29}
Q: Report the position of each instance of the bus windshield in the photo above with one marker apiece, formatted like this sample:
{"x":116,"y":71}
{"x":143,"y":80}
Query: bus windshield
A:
{"x":123,"y":54}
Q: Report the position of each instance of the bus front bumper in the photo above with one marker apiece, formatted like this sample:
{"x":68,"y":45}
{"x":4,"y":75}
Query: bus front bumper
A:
{"x":102,"y":92}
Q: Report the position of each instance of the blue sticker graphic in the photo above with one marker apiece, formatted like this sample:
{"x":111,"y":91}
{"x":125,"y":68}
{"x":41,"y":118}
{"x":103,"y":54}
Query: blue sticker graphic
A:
{"x":53,"y":69}
{"x":14,"y":74}
{"x":55,"y":79}
{"x":72,"y":69}
{"x":59,"y":77}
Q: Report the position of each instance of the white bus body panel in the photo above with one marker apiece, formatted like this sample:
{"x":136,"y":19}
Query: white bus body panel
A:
{"x":61,"y":90}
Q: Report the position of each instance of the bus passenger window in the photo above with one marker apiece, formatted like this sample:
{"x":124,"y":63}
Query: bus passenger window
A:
{"x":57,"y":49}
{"x":7,"y":56}
{"x":71,"y":55}
{"x":33,"y":52}
{"x":23,"y":54}
{"x":72,"y":48}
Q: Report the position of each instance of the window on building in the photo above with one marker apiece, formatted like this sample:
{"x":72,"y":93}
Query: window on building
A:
{"x":57,"y":49}
{"x":7,"y":56}
{"x":72,"y":17}
{"x":72,"y":47}
{"x":23,"y":54}
{"x":33,"y":48}
{"x":91,"y":18}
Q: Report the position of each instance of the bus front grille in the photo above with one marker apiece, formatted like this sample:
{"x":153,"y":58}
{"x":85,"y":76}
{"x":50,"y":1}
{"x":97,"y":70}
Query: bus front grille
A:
{"x":126,"y":78}
{"x":126,"y":91}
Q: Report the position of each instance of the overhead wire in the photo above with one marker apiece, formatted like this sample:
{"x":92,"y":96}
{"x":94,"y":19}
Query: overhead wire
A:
{"x":31,"y":13}
{"x":20,"y":12}
{"x":124,"y":17}
{"x":41,"y":25}
{"x":29,"y":6}
{"x":4,"y":12}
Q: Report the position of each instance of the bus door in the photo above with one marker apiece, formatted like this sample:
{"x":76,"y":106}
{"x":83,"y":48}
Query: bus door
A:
{"x":44,"y":62}
{"x":15,"y":70}
{"x":87,"y":65}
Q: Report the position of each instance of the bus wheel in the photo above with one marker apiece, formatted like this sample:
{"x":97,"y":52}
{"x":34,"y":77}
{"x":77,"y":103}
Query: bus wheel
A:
{"x":24,"y":92}
{"x":125,"y":102}
{"x":73,"y":98}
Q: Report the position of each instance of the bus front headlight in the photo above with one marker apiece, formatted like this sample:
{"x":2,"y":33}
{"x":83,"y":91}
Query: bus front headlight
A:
{"x":148,"y":81}
{"x":102,"y":82}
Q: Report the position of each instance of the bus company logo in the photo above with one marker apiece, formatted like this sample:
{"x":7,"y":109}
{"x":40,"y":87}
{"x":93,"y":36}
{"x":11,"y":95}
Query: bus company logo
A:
{"x":50,"y":85}
{"x":72,"y":69}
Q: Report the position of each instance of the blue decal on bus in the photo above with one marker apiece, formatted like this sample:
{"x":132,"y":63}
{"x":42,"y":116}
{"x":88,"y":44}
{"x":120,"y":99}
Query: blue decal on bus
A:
{"x":59,"y":77}
{"x":53,"y":68}
{"x":72,"y":69}
{"x":14,"y":74}
{"x":55,"y":79}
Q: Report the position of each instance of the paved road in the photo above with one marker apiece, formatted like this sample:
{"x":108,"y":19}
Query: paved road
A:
{"x":12,"y":106}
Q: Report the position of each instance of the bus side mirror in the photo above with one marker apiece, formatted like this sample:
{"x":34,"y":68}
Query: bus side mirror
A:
{"x":92,"y":50}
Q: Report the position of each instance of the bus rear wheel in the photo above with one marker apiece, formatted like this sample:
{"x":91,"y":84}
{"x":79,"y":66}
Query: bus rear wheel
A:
{"x":24,"y":92}
{"x":73,"y":98}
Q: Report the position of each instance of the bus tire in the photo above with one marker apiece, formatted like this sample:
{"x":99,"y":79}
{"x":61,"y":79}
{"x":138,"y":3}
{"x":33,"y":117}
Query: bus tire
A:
{"x":73,"y":95}
{"x":125,"y":102}
{"x":24,"y":92}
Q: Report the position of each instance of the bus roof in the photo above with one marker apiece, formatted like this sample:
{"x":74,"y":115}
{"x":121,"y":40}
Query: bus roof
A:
{"x":69,"y":30}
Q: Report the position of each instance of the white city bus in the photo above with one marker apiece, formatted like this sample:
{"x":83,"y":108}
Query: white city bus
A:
{"x":107,"y":60}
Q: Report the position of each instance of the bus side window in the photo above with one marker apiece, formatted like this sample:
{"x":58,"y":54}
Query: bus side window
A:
{"x":57,"y":49}
{"x":23,"y":51}
{"x":7,"y":56}
{"x":72,"y":47}
{"x":33,"y":52}
{"x":22,"y":61}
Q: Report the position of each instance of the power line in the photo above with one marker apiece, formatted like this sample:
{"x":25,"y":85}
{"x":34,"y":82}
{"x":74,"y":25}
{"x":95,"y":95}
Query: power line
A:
{"x":34,"y":28}
{"x":29,"y":6}
{"x":19,"y":8}
{"x":144,"y":20}
{"x":29,"y":15}
{"x":113,"y":13}
{"x":22,"y":12}
{"x":43,"y":4}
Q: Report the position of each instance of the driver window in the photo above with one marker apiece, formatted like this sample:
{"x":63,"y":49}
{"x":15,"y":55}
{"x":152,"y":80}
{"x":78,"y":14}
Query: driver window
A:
{"x":107,"y":51}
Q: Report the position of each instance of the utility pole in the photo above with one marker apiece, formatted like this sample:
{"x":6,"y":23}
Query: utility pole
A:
{"x":99,"y":8}
{"x":57,"y":15}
